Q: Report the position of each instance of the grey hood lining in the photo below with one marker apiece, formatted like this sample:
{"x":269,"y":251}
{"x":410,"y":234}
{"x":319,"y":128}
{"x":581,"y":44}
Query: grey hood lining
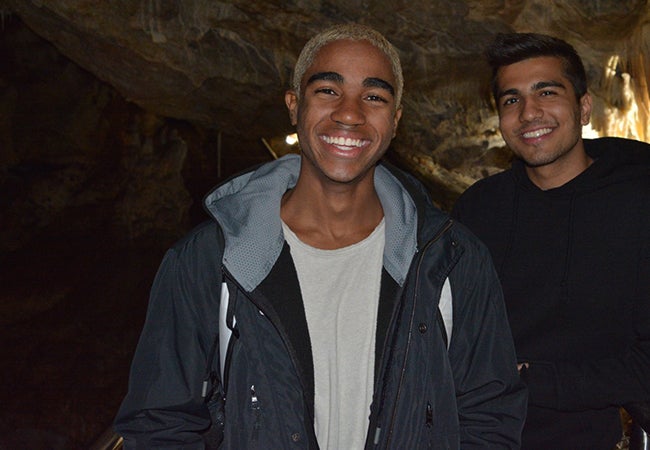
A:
{"x":248,"y":210}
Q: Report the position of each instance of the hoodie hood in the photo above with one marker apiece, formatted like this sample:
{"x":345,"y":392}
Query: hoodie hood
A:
{"x":615,"y":160}
{"x":247,"y":208}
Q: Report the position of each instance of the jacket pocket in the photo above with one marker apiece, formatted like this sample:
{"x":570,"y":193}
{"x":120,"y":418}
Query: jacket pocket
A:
{"x":214,"y":436}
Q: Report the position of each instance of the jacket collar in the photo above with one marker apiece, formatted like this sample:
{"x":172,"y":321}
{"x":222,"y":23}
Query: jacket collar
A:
{"x":248,"y":209}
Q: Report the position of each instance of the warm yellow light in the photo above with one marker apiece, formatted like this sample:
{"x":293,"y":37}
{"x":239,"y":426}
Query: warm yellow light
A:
{"x":589,"y":133}
{"x":291,"y":139}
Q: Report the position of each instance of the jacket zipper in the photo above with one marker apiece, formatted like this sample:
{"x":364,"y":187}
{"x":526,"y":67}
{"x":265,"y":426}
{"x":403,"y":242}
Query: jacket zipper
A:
{"x":284,"y":338}
{"x":400,"y":384}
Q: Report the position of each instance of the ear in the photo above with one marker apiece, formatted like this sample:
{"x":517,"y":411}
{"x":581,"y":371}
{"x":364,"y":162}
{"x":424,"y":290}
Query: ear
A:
{"x":396,"y":118}
{"x":585,"y":108}
{"x":291,"y":100}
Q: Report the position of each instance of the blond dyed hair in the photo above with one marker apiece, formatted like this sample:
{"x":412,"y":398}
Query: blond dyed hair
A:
{"x":353,"y":32}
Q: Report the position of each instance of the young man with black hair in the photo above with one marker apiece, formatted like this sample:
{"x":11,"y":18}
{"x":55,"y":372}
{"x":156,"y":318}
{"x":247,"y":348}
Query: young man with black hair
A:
{"x":568,"y":227}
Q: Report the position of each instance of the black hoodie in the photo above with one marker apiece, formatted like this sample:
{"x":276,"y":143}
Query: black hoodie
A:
{"x":574,"y":263}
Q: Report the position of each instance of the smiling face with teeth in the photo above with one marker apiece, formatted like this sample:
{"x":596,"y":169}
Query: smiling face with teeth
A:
{"x":541,"y":119}
{"x":346,"y":115}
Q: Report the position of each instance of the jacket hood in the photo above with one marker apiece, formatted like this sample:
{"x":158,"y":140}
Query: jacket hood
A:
{"x":615,"y":160}
{"x":247,"y":208}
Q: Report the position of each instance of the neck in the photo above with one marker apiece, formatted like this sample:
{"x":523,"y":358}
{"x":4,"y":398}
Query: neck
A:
{"x":330,"y":220}
{"x":560,"y":172}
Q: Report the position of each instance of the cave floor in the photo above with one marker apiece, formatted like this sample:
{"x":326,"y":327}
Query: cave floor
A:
{"x":71,"y":310}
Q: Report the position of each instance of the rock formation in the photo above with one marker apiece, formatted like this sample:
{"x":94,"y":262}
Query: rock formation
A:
{"x":220,"y":69}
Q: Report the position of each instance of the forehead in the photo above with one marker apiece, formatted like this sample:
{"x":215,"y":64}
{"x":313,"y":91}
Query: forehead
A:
{"x":351,"y":59}
{"x":531,"y":71}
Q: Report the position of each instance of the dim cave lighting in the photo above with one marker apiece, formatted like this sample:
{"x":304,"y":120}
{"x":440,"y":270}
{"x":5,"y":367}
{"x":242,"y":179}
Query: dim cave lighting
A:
{"x":281,"y":145}
{"x":622,"y":110}
{"x":291,"y":139}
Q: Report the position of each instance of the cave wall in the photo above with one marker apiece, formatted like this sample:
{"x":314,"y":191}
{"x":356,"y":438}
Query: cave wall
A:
{"x":118,"y":116}
{"x":77,"y":158}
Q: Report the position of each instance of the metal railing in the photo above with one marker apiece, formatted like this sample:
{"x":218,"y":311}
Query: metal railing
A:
{"x":639,"y":439}
{"x":109,"y":440}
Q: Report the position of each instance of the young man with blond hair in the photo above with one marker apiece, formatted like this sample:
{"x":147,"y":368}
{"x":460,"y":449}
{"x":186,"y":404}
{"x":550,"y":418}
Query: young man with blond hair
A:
{"x":338,"y":275}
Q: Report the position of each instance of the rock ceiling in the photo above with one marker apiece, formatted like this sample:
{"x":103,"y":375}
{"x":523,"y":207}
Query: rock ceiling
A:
{"x":225,"y":65}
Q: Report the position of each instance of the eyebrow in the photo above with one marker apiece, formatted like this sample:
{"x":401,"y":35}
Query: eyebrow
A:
{"x":327,"y":76}
{"x":535,"y":87}
{"x":379,"y":83}
{"x":545,"y":84}
{"x":338,"y":78}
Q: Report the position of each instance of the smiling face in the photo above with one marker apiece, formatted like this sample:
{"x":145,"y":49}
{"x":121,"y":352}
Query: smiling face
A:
{"x":539,"y":116}
{"x":347,"y":115}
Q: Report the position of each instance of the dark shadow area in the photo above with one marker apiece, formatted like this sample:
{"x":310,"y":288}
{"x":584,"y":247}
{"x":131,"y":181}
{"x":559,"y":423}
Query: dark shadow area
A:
{"x":94,"y":190}
{"x":72,"y":308}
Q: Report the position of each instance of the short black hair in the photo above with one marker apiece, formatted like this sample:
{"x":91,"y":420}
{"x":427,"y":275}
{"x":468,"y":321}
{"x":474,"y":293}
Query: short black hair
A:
{"x":510,"y":48}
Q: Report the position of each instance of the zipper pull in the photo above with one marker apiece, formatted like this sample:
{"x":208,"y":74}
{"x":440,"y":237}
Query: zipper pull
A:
{"x":255,"y":406}
{"x":254,"y":402}
{"x":429,"y":421}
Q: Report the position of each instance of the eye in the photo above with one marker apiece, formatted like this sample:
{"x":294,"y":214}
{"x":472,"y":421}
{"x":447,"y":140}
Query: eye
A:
{"x":510,"y":101}
{"x":376,"y":98}
{"x":325,"y":90}
{"x":547,"y":93}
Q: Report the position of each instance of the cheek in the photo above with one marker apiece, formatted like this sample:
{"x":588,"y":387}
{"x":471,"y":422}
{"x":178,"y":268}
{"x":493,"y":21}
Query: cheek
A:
{"x":508,"y":114}
{"x":303,"y":123}
{"x":388,"y":125}
{"x":310,"y":117}
{"x":505,"y":122}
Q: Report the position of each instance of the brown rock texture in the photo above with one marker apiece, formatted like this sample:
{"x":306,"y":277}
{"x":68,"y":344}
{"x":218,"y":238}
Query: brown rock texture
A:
{"x":224,"y":65}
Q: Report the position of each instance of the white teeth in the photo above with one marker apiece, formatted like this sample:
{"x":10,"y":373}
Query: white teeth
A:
{"x":537,"y":133}
{"x":343,"y":142}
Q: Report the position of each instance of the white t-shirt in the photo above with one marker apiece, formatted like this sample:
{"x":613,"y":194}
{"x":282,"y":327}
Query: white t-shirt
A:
{"x":340,"y":291}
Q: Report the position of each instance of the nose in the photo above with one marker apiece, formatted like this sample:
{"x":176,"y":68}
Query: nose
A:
{"x":530,"y":110}
{"x":349,"y":112}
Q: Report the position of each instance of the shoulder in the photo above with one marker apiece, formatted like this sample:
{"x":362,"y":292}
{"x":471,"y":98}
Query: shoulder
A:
{"x":617,"y":142}
{"x":490,"y":185}
{"x":202,"y":234}
{"x":619,"y":149}
{"x":493,"y":193}
{"x":472,"y":246}
{"x":204,"y":243}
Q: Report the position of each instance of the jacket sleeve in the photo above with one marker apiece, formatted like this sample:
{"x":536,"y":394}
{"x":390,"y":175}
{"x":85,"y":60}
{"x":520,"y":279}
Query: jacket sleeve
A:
{"x":490,"y":395}
{"x":601,"y":383}
{"x":164,"y":407}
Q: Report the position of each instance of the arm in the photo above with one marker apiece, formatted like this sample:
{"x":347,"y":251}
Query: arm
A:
{"x":490,"y":395}
{"x":164,"y":407}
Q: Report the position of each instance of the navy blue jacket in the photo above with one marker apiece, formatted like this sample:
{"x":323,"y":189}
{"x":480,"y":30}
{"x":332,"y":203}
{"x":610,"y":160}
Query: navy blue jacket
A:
{"x":426,"y":396}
